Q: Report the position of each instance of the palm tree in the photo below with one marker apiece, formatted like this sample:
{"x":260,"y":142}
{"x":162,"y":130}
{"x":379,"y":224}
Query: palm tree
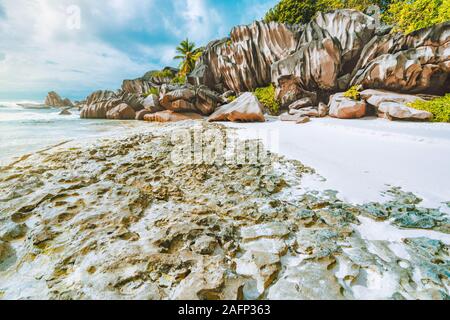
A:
{"x":189,"y":55}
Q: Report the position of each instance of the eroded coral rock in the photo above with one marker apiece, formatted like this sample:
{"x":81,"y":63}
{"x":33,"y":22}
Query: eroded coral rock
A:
{"x":123,"y":221}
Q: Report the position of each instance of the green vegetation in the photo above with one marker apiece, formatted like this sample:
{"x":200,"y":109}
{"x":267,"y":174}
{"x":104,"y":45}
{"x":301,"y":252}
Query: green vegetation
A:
{"x":410,"y":15}
{"x":179,"y":79}
{"x":188,"y":55}
{"x":353,"y":93}
{"x":439,"y":107}
{"x":267,"y":97}
{"x":405,"y":15}
{"x":152,"y":90}
{"x":162,"y":74}
{"x":302,"y":11}
{"x":231,"y":98}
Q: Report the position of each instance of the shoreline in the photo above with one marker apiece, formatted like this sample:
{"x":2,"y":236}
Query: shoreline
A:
{"x":360,"y":158}
{"x":365,"y":181}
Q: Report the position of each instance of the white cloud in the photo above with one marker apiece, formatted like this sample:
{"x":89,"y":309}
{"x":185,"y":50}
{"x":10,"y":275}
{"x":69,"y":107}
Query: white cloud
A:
{"x":197,"y":20}
{"x":117,"y":39}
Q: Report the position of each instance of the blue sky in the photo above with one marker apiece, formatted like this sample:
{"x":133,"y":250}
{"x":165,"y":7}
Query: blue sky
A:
{"x":77,"y":46}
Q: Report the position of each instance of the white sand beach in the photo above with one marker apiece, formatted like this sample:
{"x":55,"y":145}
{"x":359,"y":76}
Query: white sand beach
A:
{"x":359,"y":158}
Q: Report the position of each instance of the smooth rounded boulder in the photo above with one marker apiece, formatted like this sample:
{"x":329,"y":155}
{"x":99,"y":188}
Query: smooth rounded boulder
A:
{"x":121,"y":112}
{"x":399,"y":111}
{"x":141,"y":114}
{"x":171,"y":116}
{"x":346,"y":108}
{"x":168,"y":98}
{"x":151,"y":103}
{"x":246,"y":108}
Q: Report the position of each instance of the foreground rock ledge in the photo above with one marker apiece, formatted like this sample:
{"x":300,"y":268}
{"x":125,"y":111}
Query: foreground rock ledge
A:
{"x":119,"y":220}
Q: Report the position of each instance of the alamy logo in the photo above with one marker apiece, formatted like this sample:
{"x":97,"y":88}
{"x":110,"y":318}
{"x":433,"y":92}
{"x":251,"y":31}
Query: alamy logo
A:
{"x":73,"y":13}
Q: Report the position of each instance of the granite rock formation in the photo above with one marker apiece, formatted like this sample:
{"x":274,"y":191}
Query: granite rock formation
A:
{"x":242,"y":62}
{"x":334,"y":51}
{"x":54,"y":100}
{"x":245,"y":108}
{"x":311,"y":62}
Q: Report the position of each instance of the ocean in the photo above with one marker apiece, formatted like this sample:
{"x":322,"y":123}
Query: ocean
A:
{"x":26,"y":130}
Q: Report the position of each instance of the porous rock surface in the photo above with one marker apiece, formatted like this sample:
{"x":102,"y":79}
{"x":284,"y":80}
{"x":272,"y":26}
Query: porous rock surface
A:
{"x":120,"y":220}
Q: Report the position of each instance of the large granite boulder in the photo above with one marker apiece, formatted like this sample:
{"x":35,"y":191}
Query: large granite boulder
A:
{"x":206,"y":100}
{"x":314,"y":66}
{"x":121,"y":112}
{"x":394,"y":106}
{"x":133,"y":100}
{"x":400,"y":111}
{"x":54,"y":100}
{"x":189,"y":98}
{"x":100,"y":109}
{"x":345,"y":108}
{"x":242,"y":62}
{"x":100,"y":96}
{"x":170,"y":116}
{"x":137,"y":86}
{"x":246,"y":108}
{"x":151,"y":103}
{"x":172,"y":99}
{"x":141,"y":114}
{"x":99,"y":103}
{"x":376,"y":97}
{"x":351,"y":28}
{"x":417,"y":63}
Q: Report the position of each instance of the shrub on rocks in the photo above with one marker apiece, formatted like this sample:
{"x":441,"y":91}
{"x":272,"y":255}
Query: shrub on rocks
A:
{"x":151,"y":91}
{"x":439,"y":107}
{"x":267,"y":98}
{"x":353,"y":93}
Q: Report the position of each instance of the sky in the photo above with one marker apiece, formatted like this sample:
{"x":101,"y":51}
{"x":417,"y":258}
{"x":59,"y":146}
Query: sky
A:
{"x":75,"y":47}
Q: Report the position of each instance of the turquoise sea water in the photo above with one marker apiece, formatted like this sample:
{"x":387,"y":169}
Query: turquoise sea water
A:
{"x":25,"y":130}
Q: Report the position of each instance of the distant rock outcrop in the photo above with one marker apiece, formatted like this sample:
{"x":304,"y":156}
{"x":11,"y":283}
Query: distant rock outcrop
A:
{"x":54,"y":100}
